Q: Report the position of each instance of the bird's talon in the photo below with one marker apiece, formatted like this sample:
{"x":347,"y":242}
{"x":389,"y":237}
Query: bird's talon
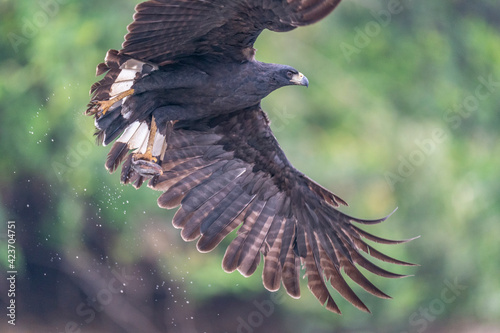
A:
{"x":104,"y":106}
{"x":146,"y":165}
{"x":93,"y":109}
{"x":100,"y":108}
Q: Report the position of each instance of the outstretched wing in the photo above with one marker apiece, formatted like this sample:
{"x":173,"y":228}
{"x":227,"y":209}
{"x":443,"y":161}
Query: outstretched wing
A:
{"x":229,"y":172}
{"x":166,"y":30}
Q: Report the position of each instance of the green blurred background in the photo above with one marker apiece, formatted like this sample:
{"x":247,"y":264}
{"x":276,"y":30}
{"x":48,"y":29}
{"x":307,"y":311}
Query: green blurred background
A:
{"x":402,"y":111}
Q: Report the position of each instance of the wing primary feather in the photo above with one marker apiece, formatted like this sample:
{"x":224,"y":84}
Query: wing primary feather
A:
{"x":333,"y":232}
{"x":338,"y":283}
{"x":116,"y":155}
{"x":361,"y":280}
{"x":229,"y":200}
{"x":300,"y":236}
{"x":329,"y":249}
{"x":371,"y":267}
{"x":379,"y":255}
{"x":380,"y":240}
{"x":369,"y":222}
{"x":290,"y":273}
{"x":182,"y":184}
{"x":193,"y":228}
{"x":223,"y":226}
{"x":287,"y":240}
{"x":271,"y":273}
{"x":275,"y":232}
{"x":250,"y":258}
{"x":233,"y":252}
{"x":204,"y":191}
{"x":315,"y":281}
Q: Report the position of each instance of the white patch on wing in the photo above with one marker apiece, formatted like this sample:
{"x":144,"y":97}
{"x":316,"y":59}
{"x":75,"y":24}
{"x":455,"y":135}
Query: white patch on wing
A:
{"x":119,"y":87}
{"x":126,"y":75}
{"x":144,"y":146}
{"x":133,"y":64}
{"x":129,"y":132}
{"x":158,"y":144}
{"x":140,"y":137}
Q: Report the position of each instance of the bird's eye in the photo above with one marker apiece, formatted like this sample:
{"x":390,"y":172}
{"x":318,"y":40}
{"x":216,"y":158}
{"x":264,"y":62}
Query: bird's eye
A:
{"x":290,"y":74}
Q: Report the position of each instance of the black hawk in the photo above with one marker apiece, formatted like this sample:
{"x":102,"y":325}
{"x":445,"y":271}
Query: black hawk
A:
{"x":181,"y":102}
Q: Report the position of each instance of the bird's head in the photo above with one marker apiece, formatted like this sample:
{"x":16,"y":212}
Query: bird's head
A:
{"x":286,"y":76}
{"x":269,"y":77}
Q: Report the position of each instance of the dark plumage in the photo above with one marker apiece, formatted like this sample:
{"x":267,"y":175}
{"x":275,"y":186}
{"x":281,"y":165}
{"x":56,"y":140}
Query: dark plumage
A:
{"x":181,"y":100}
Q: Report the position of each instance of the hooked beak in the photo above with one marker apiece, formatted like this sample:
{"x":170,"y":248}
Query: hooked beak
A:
{"x":300,"y":80}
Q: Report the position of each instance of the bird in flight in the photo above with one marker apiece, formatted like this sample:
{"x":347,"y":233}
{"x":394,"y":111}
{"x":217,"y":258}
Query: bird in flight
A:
{"x":181,"y":103}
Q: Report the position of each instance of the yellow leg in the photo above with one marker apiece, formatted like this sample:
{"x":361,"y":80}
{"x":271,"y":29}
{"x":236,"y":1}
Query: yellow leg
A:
{"x":146,"y":164}
{"x":103,"y":106}
{"x":148,"y":155}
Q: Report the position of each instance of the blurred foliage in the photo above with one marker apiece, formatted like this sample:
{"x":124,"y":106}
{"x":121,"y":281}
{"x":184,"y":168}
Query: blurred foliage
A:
{"x":399,"y":113}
